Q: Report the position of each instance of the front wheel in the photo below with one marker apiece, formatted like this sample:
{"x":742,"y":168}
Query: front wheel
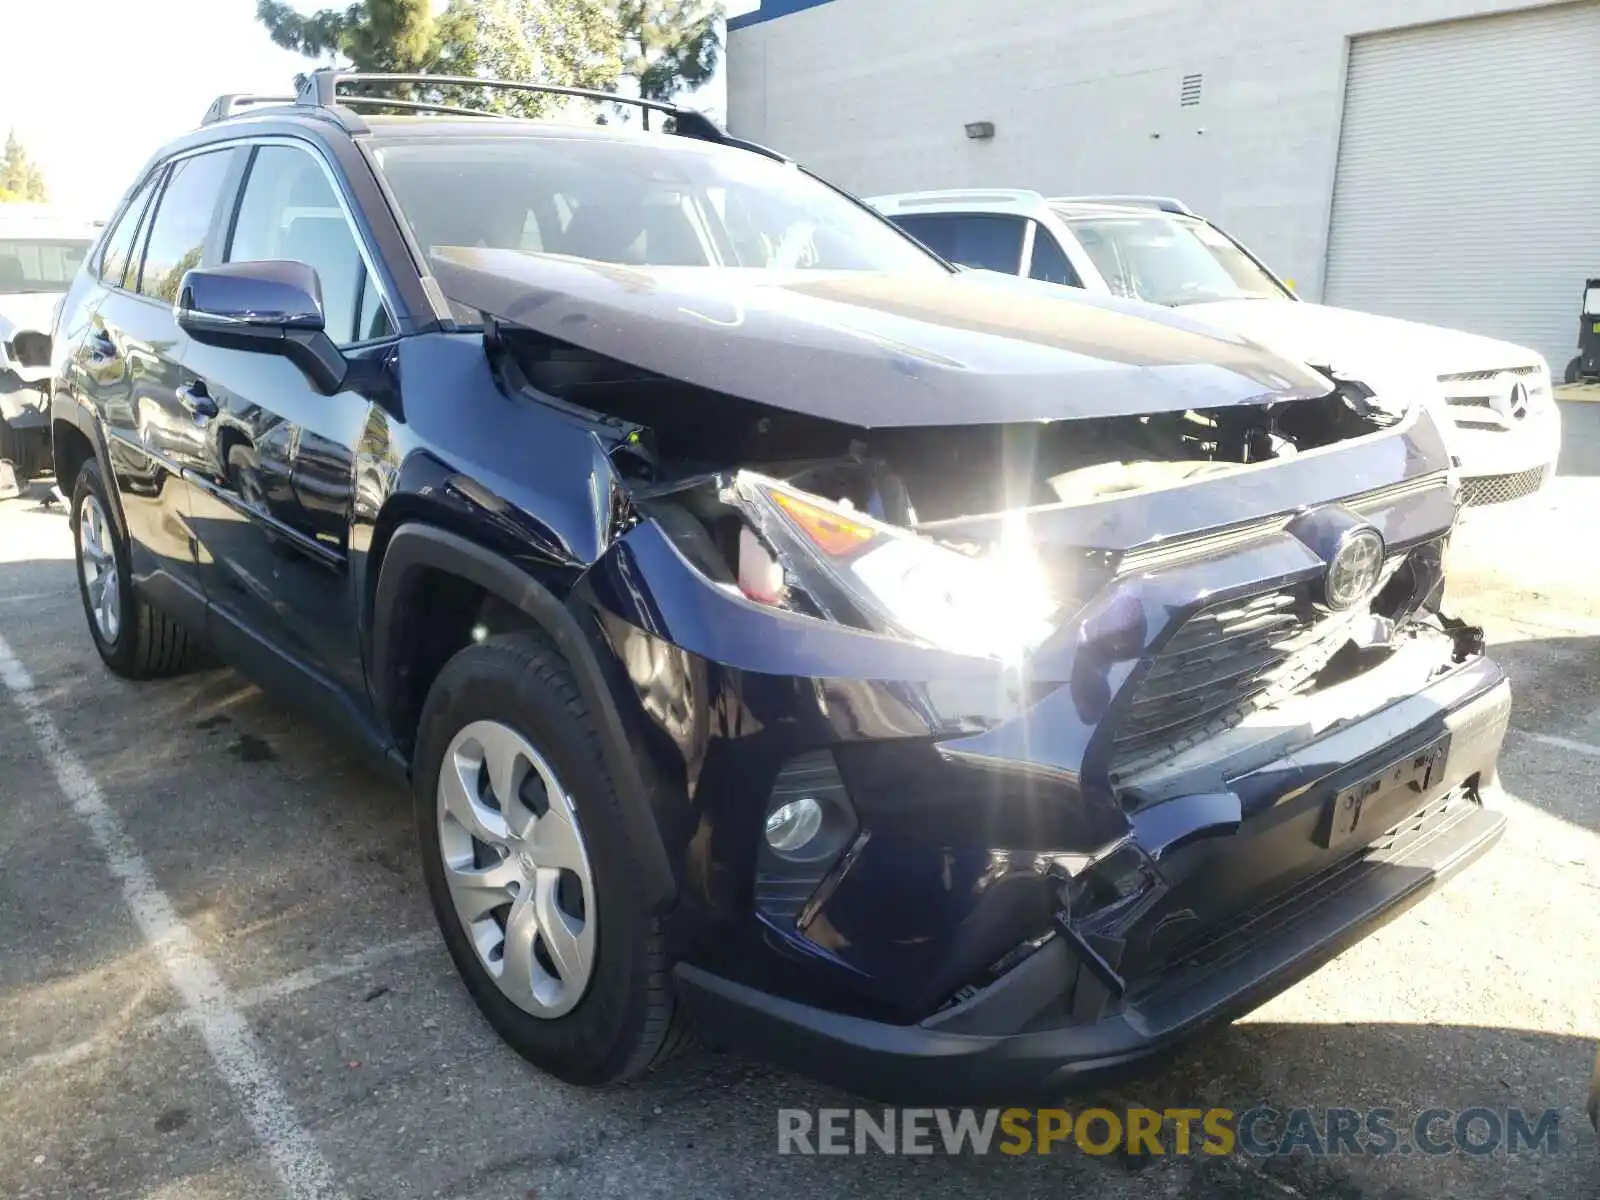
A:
{"x":135,"y":639}
{"x":530,"y":868}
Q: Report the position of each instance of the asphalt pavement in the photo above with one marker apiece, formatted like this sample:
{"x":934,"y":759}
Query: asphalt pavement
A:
{"x":219,"y":976}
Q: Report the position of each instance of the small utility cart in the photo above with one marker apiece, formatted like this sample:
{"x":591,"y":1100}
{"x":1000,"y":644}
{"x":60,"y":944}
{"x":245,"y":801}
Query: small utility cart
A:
{"x":1587,"y":365}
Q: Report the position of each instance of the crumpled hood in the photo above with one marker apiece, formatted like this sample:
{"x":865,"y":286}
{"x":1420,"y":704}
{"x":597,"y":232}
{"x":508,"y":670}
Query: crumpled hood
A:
{"x":875,"y":350}
{"x":29,"y":310}
{"x":1362,"y":345}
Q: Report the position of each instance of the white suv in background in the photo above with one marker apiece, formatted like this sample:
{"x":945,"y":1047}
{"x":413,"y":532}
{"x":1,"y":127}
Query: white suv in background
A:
{"x":1496,"y":398}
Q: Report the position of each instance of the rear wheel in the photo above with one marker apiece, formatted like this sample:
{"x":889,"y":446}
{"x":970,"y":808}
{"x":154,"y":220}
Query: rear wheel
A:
{"x":135,"y":639}
{"x":530,"y":868}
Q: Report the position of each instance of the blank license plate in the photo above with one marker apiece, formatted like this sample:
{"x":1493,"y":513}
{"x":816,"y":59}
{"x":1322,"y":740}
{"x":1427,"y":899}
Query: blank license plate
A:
{"x":1367,"y":808}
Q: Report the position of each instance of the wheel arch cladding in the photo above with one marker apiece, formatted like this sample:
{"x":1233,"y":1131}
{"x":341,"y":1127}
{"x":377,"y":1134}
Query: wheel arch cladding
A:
{"x":75,"y":442}
{"x":415,"y":549}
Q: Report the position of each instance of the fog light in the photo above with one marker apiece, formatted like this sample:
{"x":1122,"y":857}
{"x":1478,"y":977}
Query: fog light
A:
{"x":790,"y":826}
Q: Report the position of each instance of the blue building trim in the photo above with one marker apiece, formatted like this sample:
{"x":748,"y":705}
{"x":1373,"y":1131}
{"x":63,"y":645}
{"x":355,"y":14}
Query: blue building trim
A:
{"x":771,"y":10}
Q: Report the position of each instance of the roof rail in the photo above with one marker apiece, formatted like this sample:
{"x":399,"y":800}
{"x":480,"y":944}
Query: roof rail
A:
{"x":1165,"y":203}
{"x":320,"y":88}
{"x":233,"y":103}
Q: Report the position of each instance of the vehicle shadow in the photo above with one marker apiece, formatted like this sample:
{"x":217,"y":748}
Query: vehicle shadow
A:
{"x":1580,"y":438}
{"x":1407,"y":1069}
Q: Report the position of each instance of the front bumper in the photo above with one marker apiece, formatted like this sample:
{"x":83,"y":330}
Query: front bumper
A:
{"x":1499,"y":466}
{"x":1025,"y":1036}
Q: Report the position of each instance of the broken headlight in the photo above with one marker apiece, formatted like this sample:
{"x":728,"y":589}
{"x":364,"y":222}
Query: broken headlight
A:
{"x":996,"y":603}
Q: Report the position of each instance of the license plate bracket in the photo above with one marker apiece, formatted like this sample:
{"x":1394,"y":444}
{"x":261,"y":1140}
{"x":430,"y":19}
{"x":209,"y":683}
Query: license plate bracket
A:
{"x":1382,"y":798}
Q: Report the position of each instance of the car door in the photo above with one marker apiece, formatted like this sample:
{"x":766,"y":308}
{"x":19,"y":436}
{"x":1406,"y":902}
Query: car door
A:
{"x":273,"y":492}
{"x":130,"y":366}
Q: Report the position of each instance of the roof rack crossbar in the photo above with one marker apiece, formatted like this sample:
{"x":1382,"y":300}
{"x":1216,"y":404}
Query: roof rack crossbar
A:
{"x":453,"y":110}
{"x":232,"y":103}
{"x":321,"y":88}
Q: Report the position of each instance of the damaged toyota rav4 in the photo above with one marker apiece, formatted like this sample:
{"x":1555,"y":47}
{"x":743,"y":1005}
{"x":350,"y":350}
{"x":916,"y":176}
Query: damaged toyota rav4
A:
{"x":947,"y":692}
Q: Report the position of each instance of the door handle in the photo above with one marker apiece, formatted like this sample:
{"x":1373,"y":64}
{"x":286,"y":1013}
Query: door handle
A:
{"x":194,"y":397}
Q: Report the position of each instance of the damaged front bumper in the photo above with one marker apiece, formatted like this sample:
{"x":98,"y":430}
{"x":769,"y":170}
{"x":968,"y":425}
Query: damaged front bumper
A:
{"x":1202,"y":785}
{"x":1070,"y":1014}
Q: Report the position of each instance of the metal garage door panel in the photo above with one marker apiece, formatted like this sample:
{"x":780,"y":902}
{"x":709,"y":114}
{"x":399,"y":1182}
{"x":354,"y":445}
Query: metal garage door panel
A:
{"x":1468,"y":185}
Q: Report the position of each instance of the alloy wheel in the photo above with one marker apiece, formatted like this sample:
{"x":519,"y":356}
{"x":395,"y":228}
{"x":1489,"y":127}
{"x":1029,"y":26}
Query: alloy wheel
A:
{"x":97,"y":562}
{"x":517,"y":869}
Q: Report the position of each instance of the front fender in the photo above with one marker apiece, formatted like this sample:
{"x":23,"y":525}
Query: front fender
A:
{"x":416,"y":547}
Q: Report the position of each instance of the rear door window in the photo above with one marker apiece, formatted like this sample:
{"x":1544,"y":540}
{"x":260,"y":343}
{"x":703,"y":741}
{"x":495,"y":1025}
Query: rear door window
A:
{"x":183,"y":217}
{"x":989,"y":241}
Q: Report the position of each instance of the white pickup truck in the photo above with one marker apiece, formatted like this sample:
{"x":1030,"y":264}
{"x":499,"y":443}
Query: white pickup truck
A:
{"x":1495,"y":399}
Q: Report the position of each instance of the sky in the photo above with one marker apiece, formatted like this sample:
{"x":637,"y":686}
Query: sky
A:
{"x":94,"y":87}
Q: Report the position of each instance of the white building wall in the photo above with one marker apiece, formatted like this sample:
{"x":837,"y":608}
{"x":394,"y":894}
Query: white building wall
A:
{"x":874,"y":94}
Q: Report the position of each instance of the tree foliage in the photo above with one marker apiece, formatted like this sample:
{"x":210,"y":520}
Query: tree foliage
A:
{"x":669,"y":46}
{"x":570,"y":43}
{"x":377,"y":35}
{"x":20,"y":178}
{"x":664,"y":46}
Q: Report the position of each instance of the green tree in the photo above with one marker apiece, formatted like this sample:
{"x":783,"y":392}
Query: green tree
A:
{"x":669,"y":46}
{"x":664,"y":46}
{"x":572,"y":43}
{"x":20,"y":177}
{"x":377,"y":35}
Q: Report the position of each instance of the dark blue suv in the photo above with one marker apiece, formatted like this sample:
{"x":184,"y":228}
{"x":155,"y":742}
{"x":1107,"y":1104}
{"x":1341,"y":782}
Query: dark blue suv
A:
{"x":948,"y":688}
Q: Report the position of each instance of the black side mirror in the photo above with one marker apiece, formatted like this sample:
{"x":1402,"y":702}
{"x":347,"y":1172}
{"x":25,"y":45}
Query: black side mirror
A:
{"x":270,"y":307}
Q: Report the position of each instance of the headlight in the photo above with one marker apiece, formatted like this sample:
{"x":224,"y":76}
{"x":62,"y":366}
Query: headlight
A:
{"x":997,"y":604}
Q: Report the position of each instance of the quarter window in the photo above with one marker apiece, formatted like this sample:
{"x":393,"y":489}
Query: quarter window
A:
{"x":1050,"y":261}
{"x":182,"y":220}
{"x":289,"y":211}
{"x":122,"y":239}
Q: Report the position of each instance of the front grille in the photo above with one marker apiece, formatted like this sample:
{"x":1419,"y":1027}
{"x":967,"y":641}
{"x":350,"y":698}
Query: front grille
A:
{"x":1477,"y":399}
{"x":1226,"y":662}
{"x":1500,"y":489}
{"x":1480,"y":376}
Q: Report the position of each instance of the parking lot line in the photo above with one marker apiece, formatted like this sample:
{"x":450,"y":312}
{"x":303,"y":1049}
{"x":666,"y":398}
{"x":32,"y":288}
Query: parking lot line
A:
{"x":1562,"y":743}
{"x":244,"y":1001}
{"x":300,"y":1166}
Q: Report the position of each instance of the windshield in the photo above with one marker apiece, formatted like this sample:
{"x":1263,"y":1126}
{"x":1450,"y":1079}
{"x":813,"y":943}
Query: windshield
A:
{"x":39,"y":264}
{"x":650,"y":201}
{"x":1170,"y":260}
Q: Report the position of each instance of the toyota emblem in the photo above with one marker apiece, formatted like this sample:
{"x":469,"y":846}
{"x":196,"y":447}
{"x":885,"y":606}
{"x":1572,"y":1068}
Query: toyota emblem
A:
{"x":1355,"y":568}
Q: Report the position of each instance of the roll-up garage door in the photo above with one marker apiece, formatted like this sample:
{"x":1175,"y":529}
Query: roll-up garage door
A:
{"x":1468,"y":184}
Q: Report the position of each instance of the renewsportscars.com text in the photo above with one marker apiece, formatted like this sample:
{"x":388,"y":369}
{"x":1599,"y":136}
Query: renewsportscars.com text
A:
{"x":1259,"y":1132}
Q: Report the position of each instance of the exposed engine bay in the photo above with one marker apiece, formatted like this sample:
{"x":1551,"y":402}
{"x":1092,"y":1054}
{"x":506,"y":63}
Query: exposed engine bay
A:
{"x":677,"y":432}
{"x":864,"y":527}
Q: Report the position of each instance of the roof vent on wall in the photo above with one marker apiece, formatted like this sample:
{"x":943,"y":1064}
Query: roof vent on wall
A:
{"x":1189,"y":93}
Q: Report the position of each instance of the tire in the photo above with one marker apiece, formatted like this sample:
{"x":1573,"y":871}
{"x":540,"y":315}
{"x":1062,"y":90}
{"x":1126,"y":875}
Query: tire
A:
{"x":625,"y":1018}
{"x":143,"y":643}
{"x":1574,"y":371}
